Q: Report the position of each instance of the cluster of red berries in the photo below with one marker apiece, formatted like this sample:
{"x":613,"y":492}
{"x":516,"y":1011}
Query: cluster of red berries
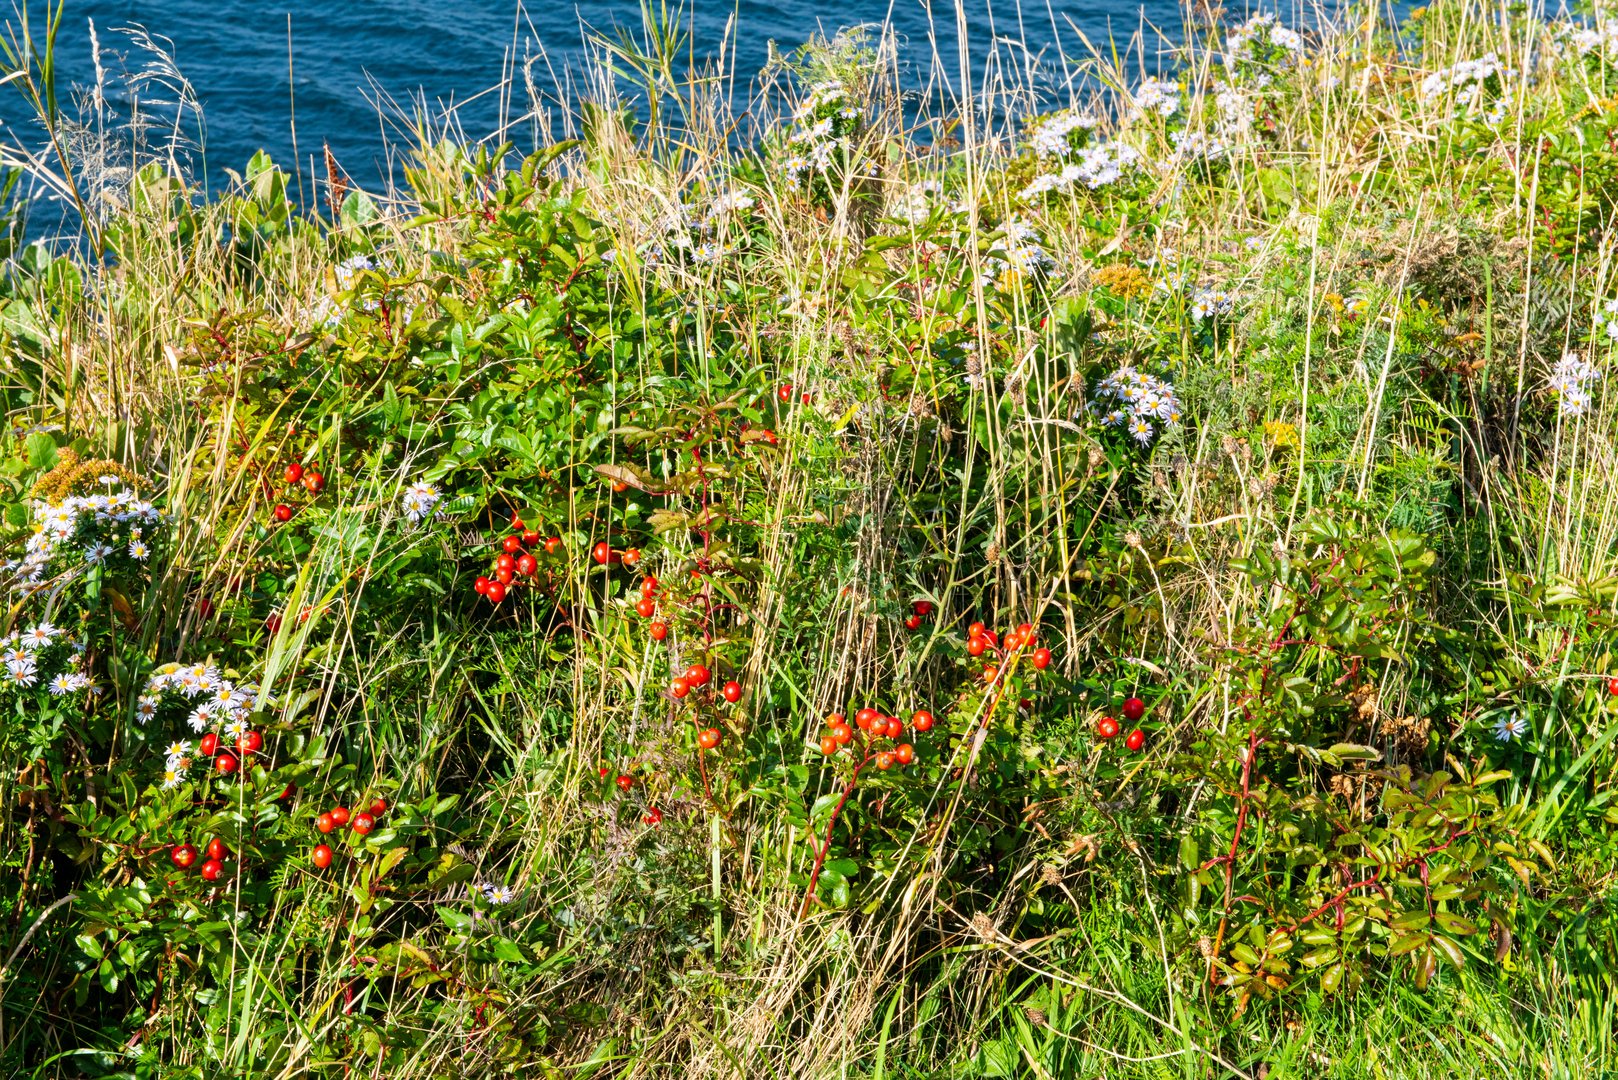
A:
{"x":604,"y":555}
{"x":226,"y":760}
{"x":646,"y":608}
{"x":185,"y":856}
{"x":784,"y":394}
{"x":874,"y":725}
{"x":980,"y":639}
{"x":361,"y":823}
{"x":311,"y":479}
{"x":514,"y":559}
{"x":919,"y":610}
{"x":1108,"y":727}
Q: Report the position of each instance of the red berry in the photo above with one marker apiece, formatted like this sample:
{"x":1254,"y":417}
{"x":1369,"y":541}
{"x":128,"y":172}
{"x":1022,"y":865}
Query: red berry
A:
{"x":507,"y":563}
{"x":922,"y":720}
{"x":884,"y":760}
{"x":842,"y":733}
{"x":784,"y":393}
{"x":527,"y":564}
{"x":990,"y":673}
{"x":529,"y":537}
{"x":648,"y":586}
{"x":894,"y":728}
{"x":511,"y":545}
{"x":697,"y":675}
{"x":249,"y":742}
{"x":732,"y":691}
{"x":363,"y":823}
{"x":866,"y":717}
{"x":225,"y":763}
{"x":321,"y":856}
{"x":631,"y":556}
{"x":339,"y":815}
{"x":212,"y":869}
{"x":624,"y":781}
{"x":1134,"y":708}
{"x":1042,"y":658}
{"x":646,"y":607}
{"x":659,"y":631}
{"x":923,"y":608}
{"x":379,"y":806}
{"x":828,"y":745}
{"x":976,"y":645}
{"x":209,"y":743}
{"x":1107,"y":727}
{"x":912,"y":622}
{"x":679,"y":687}
{"x":1135,"y":739}
{"x":516,"y":520}
{"x":504,"y":576}
{"x":496,"y":591}
{"x":904,"y":753}
{"x":708,"y":738}
{"x":480,"y":586}
{"x":602,"y":552}
{"x":553,"y":545}
{"x":184,"y":856}
{"x":205,"y":607}
{"x":653,"y":816}
{"x":283,"y":512}
{"x":216,"y":849}
{"x":294,"y":473}
{"x":272,"y":622}
{"x":325,"y":823}
{"x":313,"y":483}
{"x":1612,"y":686}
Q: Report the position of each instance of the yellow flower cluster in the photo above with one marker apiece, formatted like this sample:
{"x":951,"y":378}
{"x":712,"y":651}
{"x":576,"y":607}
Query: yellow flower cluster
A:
{"x":73,"y":476}
{"x":1122,"y":280}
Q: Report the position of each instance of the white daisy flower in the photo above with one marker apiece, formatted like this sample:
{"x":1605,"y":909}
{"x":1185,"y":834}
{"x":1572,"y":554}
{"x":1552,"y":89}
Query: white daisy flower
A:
{"x":37,"y":636}
{"x":63,"y":684}
{"x":201,"y":717}
{"x":1510,"y":727}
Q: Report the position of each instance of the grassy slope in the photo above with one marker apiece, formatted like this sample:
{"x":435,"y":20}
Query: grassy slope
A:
{"x":1364,"y":192}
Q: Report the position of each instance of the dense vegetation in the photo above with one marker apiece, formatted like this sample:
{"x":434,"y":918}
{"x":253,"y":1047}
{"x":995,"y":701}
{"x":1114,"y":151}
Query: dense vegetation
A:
{"x":833,"y":585}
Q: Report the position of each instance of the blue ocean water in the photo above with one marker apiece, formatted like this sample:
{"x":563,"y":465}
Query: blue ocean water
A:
{"x":351,"y":72}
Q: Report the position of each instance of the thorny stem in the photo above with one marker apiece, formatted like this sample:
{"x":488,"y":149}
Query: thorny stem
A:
{"x":1229,"y":858}
{"x":825,"y":844}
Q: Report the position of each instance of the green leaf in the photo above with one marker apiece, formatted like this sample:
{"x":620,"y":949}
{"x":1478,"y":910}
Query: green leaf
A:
{"x":1450,"y":950}
{"x":41,"y":452}
{"x":453,"y":919}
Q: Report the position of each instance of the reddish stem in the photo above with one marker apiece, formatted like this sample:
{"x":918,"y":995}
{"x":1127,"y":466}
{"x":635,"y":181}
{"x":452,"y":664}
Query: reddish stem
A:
{"x":825,"y":845}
